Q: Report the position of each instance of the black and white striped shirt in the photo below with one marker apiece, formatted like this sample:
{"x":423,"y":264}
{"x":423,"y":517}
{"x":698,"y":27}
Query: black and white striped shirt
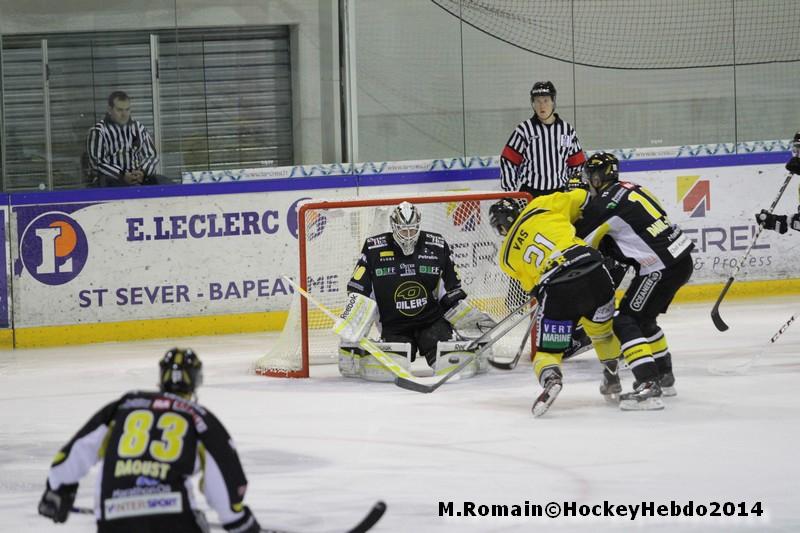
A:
{"x":537,"y":156}
{"x":115,"y":149}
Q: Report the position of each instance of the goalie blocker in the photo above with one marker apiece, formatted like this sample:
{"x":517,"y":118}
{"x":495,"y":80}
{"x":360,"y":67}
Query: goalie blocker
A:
{"x":357,"y":318}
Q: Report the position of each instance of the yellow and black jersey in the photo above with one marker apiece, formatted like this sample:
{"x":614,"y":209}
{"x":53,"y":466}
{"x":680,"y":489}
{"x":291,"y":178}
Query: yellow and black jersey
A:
{"x":637,"y":225}
{"x":543,"y":238}
{"x":149,"y":444}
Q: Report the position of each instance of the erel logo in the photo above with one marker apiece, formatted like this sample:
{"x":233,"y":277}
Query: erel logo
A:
{"x":695,"y":195}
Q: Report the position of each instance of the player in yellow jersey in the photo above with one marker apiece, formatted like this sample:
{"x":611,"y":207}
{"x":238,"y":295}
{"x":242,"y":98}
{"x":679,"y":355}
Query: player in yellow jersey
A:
{"x":568,"y":278}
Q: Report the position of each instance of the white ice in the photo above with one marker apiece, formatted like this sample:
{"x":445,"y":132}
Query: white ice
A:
{"x":319,"y":452}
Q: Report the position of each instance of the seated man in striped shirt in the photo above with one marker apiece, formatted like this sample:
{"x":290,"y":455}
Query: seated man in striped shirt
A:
{"x":120,"y":150}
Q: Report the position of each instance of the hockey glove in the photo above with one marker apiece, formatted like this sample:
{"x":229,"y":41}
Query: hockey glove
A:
{"x":356,"y":319}
{"x":772,"y":221}
{"x":246,"y":524}
{"x":795,"y":220}
{"x":793,"y":165}
{"x":464,"y":316}
{"x":55,"y":504}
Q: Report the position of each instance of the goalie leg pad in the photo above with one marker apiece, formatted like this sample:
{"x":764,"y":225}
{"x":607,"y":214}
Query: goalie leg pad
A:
{"x":371,"y":369}
{"x":450,"y":354}
{"x":350,"y":356}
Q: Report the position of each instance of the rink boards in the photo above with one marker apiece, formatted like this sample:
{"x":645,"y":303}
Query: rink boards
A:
{"x":105,"y":265}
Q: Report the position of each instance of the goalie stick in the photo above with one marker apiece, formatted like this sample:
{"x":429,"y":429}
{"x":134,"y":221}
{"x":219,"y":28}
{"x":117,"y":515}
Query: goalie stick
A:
{"x":366,"y":523}
{"x":510,"y":365}
{"x":741,"y":368}
{"x":481,"y":341}
{"x":385,"y":359}
{"x":715,"y":317}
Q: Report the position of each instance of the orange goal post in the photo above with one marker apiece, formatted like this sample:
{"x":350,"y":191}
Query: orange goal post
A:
{"x":330,"y":236}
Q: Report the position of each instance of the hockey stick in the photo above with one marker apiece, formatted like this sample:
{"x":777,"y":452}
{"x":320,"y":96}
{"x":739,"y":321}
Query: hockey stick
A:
{"x":481,"y":342}
{"x":385,"y":359}
{"x":366,"y":523}
{"x":741,"y":368}
{"x":718,"y":322}
{"x":510,"y":365}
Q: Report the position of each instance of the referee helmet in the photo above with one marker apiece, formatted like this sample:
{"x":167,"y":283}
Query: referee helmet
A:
{"x":543,"y":88}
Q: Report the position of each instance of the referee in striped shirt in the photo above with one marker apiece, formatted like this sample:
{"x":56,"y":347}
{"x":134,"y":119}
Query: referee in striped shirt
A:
{"x":543,"y":151}
{"x":539,"y":158}
{"x":120,"y":150}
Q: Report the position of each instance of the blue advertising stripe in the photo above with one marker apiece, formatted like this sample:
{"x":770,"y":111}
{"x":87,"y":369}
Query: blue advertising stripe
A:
{"x":368,"y":180}
{"x":728,"y":160}
{"x":4,"y":261}
{"x":5,"y":321}
{"x":168,"y":191}
{"x":436,"y":176}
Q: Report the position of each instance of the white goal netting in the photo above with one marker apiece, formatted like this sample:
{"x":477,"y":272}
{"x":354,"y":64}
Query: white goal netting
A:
{"x":330,"y":237}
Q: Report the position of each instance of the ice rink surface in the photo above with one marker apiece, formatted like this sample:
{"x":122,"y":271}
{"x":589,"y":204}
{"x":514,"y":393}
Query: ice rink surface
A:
{"x":319,"y":452}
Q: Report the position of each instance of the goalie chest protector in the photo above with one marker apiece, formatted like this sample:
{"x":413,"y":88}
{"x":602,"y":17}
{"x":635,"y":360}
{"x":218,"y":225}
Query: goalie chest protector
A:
{"x":406,"y":287}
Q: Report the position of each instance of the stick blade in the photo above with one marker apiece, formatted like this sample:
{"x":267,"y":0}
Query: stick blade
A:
{"x":408,"y":384}
{"x":371,"y":519}
{"x":718,"y":322}
{"x":503,"y":365}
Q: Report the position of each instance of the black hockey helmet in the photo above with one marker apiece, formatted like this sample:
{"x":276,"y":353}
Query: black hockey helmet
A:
{"x":180,"y":371}
{"x":795,"y":147}
{"x":502,"y":215}
{"x":543,"y":88}
{"x":600,"y":170}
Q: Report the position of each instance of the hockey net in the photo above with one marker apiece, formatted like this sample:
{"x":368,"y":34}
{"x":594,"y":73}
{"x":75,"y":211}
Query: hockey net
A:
{"x":330,"y":237}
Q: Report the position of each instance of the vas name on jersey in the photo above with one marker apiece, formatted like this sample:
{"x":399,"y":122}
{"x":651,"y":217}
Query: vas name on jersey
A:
{"x":519,"y":239}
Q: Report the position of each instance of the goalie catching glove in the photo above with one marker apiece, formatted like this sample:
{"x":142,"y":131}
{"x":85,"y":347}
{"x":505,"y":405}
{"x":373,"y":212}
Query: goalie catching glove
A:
{"x":356,"y":319}
{"x":464,"y":316}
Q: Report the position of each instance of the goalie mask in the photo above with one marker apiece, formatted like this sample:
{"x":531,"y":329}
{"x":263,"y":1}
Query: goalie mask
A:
{"x":180,"y":371}
{"x":601,"y":170}
{"x":405,"y":219}
{"x":502,"y":215}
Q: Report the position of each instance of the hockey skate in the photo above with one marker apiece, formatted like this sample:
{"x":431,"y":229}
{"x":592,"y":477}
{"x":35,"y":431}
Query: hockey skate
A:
{"x":667,"y":382}
{"x":552,"y":386}
{"x":610,"y":387}
{"x":645,"y":397}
